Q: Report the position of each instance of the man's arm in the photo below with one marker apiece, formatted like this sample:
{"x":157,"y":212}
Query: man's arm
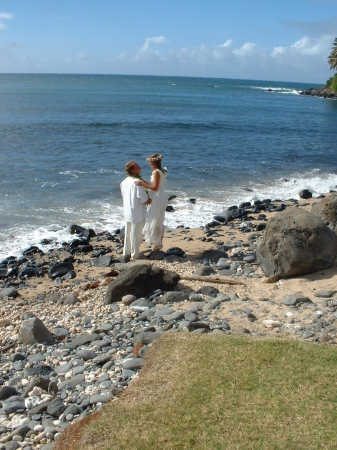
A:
{"x":141,"y":194}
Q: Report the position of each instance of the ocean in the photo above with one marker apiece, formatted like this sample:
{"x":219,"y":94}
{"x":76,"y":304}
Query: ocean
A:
{"x":66,"y":138}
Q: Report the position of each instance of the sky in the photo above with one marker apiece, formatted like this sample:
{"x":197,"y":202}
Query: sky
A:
{"x":288,"y":40}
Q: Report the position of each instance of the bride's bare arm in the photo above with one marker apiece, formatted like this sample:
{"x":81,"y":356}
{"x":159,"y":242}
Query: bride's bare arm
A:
{"x":152,"y":186}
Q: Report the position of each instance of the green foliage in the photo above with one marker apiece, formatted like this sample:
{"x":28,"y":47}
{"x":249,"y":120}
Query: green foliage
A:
{"x":332,"y":83}
{"x":333,"y":56}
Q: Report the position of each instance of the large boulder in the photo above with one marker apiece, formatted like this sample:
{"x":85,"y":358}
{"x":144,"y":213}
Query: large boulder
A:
{"x":296,"y":242}
{"x":326,"y":209}
{"x":140,"y":280}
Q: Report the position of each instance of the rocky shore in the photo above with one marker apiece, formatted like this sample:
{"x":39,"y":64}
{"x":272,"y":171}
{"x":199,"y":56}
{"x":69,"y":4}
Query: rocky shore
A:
{"x":322,"y":92}
{"x":73,"y":336}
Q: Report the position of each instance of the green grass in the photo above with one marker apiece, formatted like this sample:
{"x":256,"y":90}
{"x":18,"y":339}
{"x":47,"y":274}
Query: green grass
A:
{"x":220,"y":392}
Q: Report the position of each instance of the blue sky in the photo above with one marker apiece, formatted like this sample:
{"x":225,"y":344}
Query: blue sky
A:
{"x":249,"y":39}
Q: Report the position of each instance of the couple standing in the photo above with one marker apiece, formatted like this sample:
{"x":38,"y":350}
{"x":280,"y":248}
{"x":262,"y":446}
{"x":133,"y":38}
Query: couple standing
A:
{"x":137,"y":194}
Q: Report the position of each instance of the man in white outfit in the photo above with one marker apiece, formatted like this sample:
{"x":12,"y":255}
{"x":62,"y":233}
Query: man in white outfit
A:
{"x":135,"y":199}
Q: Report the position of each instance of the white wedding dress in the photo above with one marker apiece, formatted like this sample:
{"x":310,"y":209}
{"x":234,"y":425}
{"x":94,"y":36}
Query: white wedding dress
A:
{"x":154,"y":227}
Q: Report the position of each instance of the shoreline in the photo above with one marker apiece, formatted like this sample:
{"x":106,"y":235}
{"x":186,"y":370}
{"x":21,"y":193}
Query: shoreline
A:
{"x":94,"y":354}
{"x":189,"y":210}
{"x":322,"y":92}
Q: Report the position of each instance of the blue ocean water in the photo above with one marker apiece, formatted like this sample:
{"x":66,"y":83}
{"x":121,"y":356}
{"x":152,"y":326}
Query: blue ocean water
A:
{"x":66,"y":138}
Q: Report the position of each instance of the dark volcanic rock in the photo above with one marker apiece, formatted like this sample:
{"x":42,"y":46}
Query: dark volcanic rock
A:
{"x":7,"y":392}
{"x":177,"y":251}
{"x":88,"y":233}
{"x":60,"y":269}
{"x":214,"y":255}
{"x":296,"y":242}
{"x":32,"y":251}
{"x":140,"y":280}
{"x":76,"y":229}
{"x":28,"y":272}
{"x":305,"y":194}
{"x":320,"y":92}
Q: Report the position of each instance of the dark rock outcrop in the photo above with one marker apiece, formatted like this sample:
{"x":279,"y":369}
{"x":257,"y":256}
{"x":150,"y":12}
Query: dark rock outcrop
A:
{"x":323,"y":92}
{"x":140,"y":280}
{"x":296,"y":242}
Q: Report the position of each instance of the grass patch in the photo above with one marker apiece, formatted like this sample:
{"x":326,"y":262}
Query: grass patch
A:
{"x":220,"y":392}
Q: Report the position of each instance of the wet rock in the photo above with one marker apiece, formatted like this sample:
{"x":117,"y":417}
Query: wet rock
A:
{"x":60,"y":269}
{"x":76,"y":229}
{"x":305,"y":194}
{"x":28,"y":272}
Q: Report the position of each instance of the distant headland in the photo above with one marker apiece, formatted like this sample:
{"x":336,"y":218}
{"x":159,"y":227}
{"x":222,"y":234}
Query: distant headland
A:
{"x":323,"y":92}
{"x":330,"y":88}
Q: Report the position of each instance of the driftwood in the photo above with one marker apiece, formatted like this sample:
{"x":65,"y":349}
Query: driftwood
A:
{"x":210,"y":279}
{"x":8,"y":347}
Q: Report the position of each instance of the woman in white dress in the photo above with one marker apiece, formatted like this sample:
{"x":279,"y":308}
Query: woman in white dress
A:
{"x":154,"y":227}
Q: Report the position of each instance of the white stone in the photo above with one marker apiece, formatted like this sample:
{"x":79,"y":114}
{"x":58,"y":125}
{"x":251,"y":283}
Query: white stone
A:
{"x":36,"y":392}
{"x":270,"y":323}
{"x":5,"y":438}
{"x":40,"y":437}
{"x":31,"y":402}
{"x":50,"y":436}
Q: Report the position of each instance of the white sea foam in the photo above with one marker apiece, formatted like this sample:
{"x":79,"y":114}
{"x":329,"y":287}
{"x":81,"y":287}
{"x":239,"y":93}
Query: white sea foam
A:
{"x":278,"y":90}
{"x":107,"y":215}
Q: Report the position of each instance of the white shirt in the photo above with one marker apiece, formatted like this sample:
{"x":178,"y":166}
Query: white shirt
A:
{"x":134,"y":198}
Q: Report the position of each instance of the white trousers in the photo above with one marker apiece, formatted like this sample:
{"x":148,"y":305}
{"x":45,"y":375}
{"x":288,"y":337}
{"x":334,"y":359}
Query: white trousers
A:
{"x":133,"y":236}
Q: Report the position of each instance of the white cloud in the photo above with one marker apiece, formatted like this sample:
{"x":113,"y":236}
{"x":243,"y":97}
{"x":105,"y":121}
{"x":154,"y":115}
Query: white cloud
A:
{"x":153,"y":40}
{"x":226,"y":44}
{"x":303,"y":60}
{"x":248,"y":49}
{"x":3,"y":17}
{"x":307,"y":46}
{"x":278,"y":51}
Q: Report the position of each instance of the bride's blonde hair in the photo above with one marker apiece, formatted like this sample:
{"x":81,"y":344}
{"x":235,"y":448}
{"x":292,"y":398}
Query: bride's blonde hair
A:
{"x":155,"y":159}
